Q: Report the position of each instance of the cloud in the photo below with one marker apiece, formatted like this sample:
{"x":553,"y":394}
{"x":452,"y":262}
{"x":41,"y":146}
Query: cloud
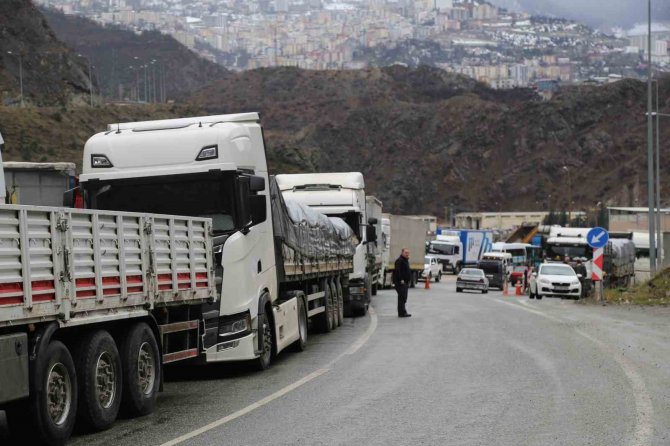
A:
{"x":596,"y":13}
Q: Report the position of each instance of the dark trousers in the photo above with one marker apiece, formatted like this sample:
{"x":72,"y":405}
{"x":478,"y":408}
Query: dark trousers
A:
{"x":402,"y":298}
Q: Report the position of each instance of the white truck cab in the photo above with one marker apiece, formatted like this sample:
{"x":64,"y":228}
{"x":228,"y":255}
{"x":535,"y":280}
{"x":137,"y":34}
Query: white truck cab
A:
{"x":201,"y":166}
{"x":338,"y":195}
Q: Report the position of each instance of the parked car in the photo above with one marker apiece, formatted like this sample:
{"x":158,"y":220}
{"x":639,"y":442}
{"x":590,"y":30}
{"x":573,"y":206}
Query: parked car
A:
{"x":431,"y":269}
{"x":472,"y":279}
{"x":555,"y":279}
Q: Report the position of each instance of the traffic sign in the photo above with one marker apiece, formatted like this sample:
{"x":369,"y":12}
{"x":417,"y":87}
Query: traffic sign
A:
{"x":597,"y":237}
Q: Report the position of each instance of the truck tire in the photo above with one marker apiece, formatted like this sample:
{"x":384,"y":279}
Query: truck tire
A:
{"x":99,"y":380}
{"x":264,"y":326}
{"x":141,"y":366}
{"x":333,"y":304}
{"x":340,"y":301}
{"x":301,"y":343}
{"x":53,"y":404}
{"x":374,"y":289}
{"x":438,"y":277}
{"x":323,"y":321}
{"x":412,"y":279}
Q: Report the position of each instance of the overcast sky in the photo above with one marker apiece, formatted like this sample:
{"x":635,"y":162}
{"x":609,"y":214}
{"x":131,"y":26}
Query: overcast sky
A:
{"x":597,"y":13}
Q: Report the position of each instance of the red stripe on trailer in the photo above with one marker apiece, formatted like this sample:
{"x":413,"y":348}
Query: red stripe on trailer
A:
{"x":135,"y":284}
{"x":43,"y":290}
{"x":201,"y":280}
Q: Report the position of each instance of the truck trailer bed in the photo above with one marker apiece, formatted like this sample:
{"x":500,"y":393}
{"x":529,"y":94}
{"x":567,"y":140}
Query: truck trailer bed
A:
{"x":81,"y":266}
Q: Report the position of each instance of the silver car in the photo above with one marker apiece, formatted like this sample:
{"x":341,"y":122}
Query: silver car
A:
{"x":472,"y":279}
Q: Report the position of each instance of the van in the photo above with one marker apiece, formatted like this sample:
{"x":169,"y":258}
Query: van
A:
{"x":504,"y":257}
{"x":495,"y":271}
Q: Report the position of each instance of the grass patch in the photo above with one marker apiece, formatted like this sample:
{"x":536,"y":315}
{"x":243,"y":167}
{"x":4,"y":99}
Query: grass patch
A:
{"x":653,"y":292}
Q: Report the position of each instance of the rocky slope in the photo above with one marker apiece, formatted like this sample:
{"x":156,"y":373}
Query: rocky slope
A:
{"x":118,"y":55}
{"x":426,"y":139}
{"x":52,"y":74}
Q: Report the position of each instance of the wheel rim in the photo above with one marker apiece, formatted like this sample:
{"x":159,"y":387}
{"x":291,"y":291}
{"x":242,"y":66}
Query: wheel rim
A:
{"x":267,"y":338}
{"x":145,"y":369}
{"x":105,"y":380}
{"x":303,"y":324}
{"x":59,"y":393}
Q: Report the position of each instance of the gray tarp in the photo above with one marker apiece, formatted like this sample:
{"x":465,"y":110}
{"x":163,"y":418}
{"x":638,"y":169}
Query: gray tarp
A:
{"x":309,"y":233}
{"x":623,"y":251}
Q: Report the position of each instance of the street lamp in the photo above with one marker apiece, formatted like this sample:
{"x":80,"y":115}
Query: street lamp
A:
{"x":650,"y":153}
{"x":90,"y":78}
{"x":20,"y":74}
{"x":565,"y":168}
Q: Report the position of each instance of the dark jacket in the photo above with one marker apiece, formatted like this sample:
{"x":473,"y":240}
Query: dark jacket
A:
{"x":580,"y":269}
{"x":401,"y":271}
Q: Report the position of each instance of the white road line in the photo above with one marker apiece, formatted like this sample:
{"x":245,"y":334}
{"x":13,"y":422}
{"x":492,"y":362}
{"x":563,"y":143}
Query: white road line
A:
{"x":644,"y":426}
{"x":285,"y":390}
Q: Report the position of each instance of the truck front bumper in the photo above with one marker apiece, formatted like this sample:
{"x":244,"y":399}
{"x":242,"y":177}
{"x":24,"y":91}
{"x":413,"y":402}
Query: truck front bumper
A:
{"x":241,"y":349}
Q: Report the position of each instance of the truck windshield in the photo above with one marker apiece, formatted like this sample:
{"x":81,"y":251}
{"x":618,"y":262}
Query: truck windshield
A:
{"x":558,"y":252}
{"x":203,"y":195}
{"x":443,"y":248}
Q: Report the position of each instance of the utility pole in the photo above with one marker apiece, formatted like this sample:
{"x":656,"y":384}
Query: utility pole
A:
{"x":659,"y":228}
{"x":650,"y":153}
{"x":18,"y":54}
{"x":90,"y":78}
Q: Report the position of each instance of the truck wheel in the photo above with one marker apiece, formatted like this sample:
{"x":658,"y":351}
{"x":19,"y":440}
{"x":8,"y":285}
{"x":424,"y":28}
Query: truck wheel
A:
{"x":100,"y":380}
{"x":374,"y":289}
{"x":141,"y":365}
{"x":438,"y":277}
{"x":340,"y":301}
{"x":412,"y":279}
{"x":264,"y":326}
{"x":323,"y":321}
{"x":333,"y":304}
{"x":301,"y":343}
{"x":54,"y":407}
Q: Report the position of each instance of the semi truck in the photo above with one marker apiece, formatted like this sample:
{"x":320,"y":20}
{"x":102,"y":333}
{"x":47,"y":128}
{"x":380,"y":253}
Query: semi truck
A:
{"x":458,"y":249}
{"x":410,"y":233}
{"x":38,"y":184}
{"x":375,"y":250}
{"x":340,"y":195}
{"x":186,"y":251}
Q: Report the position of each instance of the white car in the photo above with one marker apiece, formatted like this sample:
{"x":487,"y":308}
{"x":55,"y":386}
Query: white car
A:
{"x":555,"y":279}
{"x":432,"y":269}
{"x":472,"y":279}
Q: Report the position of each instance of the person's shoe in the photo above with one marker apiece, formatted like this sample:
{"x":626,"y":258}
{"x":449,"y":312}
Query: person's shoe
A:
{"x":405,"y":315}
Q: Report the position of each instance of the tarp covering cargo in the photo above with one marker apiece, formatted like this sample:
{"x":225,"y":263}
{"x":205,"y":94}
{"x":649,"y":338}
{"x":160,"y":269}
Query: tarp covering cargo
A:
{"x":623,"y":251}
{"x":309,"y":237}
{"x":619,"y":262}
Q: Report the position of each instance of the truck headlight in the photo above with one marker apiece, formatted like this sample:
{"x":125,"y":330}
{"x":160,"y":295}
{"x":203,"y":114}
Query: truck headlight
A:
{"x":235,"y":326}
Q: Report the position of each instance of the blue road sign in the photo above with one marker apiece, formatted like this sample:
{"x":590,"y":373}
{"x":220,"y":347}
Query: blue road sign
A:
{"x":597,"y":237}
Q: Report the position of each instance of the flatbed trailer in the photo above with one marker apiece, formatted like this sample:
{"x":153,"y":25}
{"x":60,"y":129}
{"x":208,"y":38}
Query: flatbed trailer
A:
{"x":90,"y":297}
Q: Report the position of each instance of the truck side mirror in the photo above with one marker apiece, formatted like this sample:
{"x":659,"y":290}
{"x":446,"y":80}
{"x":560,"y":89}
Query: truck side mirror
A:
{"x":371,"y":234}
{"x":256,"y":183}
{"x":243,"y":202}
{"x":258,"y":209}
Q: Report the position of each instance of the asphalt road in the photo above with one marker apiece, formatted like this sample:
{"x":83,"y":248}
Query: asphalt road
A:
{"x":466,"y":369}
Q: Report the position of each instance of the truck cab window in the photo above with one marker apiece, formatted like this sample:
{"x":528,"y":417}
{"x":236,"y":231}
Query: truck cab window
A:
{"x":202,"y":195}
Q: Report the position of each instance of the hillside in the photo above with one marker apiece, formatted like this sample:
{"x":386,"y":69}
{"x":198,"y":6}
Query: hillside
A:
{"x":52,"y":74}
{"x":118,"y":54}
{"x":426,"y":139}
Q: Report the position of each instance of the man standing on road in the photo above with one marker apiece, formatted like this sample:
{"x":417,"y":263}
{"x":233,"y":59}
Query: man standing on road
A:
{"x":581,"y":269}
{"x":402,"y":276}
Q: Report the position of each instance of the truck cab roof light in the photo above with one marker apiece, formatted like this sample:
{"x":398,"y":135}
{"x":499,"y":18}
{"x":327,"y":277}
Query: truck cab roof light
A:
{"x":100,"y":161}
{"x":208,"y":153}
